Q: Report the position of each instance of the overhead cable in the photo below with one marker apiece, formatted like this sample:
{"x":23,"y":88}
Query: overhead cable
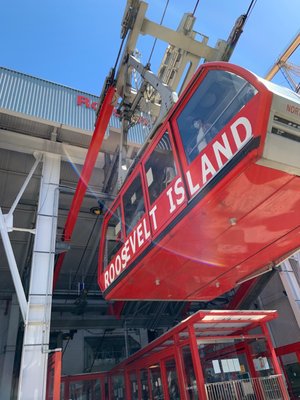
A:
{"x":195,"y":8}
{"x":161,"y":21}
{"x":250,"y":8}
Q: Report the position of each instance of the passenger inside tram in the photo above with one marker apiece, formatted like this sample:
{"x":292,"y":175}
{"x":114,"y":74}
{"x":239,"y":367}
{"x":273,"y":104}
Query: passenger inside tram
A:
{"x":133,"y":204}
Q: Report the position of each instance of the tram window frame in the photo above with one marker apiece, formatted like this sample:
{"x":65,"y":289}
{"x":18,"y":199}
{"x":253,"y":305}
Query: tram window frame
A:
{"x":157,"y":181}
{"x":130,"y":198}
{"x":107,"y":257}
{"x":198,"y":123}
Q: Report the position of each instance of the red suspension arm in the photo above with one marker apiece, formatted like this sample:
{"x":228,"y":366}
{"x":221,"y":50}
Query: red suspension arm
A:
{"x":89,"y":163}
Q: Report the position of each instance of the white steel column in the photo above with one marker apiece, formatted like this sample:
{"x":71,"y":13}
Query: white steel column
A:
{"x":10,"y":348}
{"x":33,"y":371}
{"x":13,"y":266}
{"x":291,"y":286}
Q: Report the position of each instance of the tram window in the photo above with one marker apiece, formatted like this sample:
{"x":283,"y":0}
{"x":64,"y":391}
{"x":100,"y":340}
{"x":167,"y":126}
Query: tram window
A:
{"x":134,"y":206}
{"x":218,"y":98}
{"x":160,"y":167}
{"x":113,"y":236}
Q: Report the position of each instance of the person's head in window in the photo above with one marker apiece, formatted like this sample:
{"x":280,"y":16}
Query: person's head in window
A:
{"x":214,"y":103}
{"x":208,"y":100}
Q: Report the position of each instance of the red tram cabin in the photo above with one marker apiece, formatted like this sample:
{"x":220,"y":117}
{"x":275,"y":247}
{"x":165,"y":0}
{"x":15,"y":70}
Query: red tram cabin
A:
{"x":215,"y":197}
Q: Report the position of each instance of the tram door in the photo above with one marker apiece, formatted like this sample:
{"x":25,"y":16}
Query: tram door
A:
{"x":166,"y":194}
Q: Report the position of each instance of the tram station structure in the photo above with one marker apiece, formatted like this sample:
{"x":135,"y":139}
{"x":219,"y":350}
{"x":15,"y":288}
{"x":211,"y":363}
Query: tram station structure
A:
{"x":60,"y":337}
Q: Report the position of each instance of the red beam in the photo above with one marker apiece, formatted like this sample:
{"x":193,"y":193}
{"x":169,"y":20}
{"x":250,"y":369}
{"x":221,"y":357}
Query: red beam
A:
{"x":116,"y":309}
{"x":83,"y":377}
{"x":241,"y":294}
{"x":287,"y":349}
{"x":89,"y":164}
{"x":229,"y":337}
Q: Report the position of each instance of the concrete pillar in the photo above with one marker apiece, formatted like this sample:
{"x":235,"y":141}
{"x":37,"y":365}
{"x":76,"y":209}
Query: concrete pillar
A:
{"x":9,"y":355}
{"x":33,"y":371}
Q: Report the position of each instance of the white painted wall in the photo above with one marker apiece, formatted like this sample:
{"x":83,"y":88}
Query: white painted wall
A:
{"x":73,"y":356}
{"x":284,"y":329}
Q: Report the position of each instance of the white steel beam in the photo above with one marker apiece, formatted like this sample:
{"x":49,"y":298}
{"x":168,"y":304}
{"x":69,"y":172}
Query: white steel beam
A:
{"x":180,"y":40}
{"x":33,"y":371}
{"x":13,"y":141}
{"x":13,"y":266}
{"x":6,"y":225}
{"x":38,"y":157}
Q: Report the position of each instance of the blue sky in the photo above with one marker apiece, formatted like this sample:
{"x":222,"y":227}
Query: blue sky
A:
{"x":75,"y":43}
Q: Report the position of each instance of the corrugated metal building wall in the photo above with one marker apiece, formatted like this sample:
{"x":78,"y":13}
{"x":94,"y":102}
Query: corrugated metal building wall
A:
{"x":53,"y":102}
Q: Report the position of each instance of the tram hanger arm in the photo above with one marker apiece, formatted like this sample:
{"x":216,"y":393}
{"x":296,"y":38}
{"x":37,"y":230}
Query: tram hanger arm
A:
{"x":168,"y":97}
{"x":104,"y":113}
{"x":234,"y":36}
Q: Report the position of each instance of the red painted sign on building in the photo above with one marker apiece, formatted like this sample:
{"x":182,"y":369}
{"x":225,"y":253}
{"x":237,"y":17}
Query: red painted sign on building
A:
{"x":85,"y":101}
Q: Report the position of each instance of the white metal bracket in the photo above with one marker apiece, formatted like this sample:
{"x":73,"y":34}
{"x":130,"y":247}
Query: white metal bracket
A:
{"x":6,"y":225}
{"x":9,"y":218}
{"x":13,"y":267}
{"x":168,"y":96}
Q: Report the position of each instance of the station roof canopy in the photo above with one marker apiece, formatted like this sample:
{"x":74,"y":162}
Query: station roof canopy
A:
{"x":209,"y":327}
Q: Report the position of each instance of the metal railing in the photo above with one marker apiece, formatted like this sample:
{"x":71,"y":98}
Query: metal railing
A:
{"x":267,"y":388}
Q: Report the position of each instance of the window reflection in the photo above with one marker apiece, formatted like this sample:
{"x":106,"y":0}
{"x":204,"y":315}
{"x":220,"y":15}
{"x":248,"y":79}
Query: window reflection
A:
{"x":160,"y":168}
{"x":262,"y":362}
{"x":223,"y":362}
{"x":84,"y":390}
{"x":220,"y":96}
{"x":172,"y":380}
{"x":118,"y":384}
{"x":144,"y":384}
{"x":113,"y":236}
{"x":133,"y":386}
{"x":190,"y":384}
{"x":134,"y":206}
{"x":156,"y":383}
